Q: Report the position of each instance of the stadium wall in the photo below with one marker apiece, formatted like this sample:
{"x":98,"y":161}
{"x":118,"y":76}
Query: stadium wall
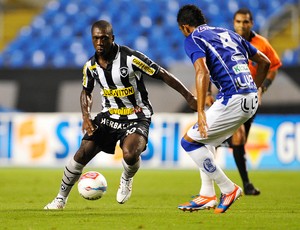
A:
{"x":58,"y":90}
{"x":50,"y":139}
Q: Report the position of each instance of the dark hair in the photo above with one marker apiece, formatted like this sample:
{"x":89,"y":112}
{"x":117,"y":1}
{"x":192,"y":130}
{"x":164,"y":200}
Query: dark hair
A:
{"x":243,"y":11}
{"x":190,"y":15}
{"x":102,"y":24}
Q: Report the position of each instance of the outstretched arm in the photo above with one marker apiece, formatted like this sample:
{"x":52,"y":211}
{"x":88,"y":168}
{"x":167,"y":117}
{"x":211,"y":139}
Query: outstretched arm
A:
{"x":176,"y":84}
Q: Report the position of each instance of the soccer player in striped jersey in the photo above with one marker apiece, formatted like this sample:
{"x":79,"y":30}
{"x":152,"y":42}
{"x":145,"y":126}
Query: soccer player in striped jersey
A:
{"x":126,"y":109}
{"x":220,"y":56}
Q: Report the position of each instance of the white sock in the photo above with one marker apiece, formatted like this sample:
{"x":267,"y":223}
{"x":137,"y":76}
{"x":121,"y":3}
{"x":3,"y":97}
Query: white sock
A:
{"x":205,"y":161}
{"x":207,"y":185}
{"x":130,"y":170}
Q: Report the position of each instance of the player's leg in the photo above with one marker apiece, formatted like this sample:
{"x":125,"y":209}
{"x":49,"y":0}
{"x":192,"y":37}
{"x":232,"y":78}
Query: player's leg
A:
{"x":238,"y":147}
{"x":72,"y":171}
{"x":132,"y":145}
{"x":238,"y":141}
{"x":239,"y":153}
{"x":223,"y":118}
{"x":210,"y":171}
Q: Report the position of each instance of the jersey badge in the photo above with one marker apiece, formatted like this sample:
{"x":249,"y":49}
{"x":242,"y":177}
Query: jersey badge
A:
{"x":124,"y":71}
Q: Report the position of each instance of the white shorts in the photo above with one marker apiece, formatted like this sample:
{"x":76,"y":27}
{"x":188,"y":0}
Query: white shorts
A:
{"x":223,"y":119}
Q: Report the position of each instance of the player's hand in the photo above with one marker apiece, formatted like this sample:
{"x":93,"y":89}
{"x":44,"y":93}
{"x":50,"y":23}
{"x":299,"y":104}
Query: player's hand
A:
{"x":209,"y":100}
{"x":202,"y":125}
{"x":88,"y":126}
{"x":259,"y":95}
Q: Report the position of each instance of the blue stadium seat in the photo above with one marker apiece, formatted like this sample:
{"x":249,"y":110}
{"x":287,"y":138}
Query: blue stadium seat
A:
{"x":291,"y":57}
{"x":147,"y":25}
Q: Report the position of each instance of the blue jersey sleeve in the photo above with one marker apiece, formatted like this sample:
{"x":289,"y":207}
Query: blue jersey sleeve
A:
{"x":193,"y":49}
{"x":251,"y":50}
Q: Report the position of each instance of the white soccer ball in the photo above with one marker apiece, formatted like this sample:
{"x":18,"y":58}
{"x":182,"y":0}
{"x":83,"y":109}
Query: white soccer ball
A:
{"x":92,"y":185}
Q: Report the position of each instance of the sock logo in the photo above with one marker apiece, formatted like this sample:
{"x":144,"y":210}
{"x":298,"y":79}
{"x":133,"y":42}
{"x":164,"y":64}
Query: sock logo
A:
{"x":63,"y":188}
{"x":209,"y":166}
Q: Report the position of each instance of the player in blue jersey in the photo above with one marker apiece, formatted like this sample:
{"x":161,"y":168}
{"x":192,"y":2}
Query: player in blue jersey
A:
{"x":126,"y":110}
{"x":221,"y":56}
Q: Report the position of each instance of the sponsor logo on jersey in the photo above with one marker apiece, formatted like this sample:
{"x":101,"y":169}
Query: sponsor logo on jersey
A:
{"x":123,"y":71}
{"x":115,"y":124}
{"x":245,"y":81}
{"x":84,"y":78}
{"x":125,"y":111}
{"x":241,"y":68}
{"x":143,"y":66}
{"x":238,"y":57}
{"x":124,"y":92}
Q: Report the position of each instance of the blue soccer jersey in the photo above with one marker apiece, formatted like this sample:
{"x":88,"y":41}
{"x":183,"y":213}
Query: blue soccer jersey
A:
{"x":226,"y":55}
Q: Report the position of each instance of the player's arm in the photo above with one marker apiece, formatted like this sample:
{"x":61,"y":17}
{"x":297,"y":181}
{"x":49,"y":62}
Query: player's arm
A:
{"x":275,"y":64}
{"x":209,"y":100}
{"x":176,"y":84}
{"x":86,"y":101}
{"x":146,"y":65}
{"x":268,"y":80}
{"x":202,"y":82}
{"x":263,"y":65}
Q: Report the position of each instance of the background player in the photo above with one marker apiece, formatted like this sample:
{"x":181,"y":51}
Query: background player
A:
{"x":126,"y":110}
{"x":243,"y":24}
{"x":222,"y":56}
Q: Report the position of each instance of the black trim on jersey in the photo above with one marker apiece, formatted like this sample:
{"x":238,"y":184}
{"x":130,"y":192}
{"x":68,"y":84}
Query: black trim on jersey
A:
{"x":111,"y":84}
{"x":125,"y":80}
{"x":95,"y":74}
{"x":96,"y":77}
{"x":90,"y":79}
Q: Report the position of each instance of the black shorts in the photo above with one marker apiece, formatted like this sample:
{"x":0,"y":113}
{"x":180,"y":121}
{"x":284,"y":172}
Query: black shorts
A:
{"x":110,"y":131}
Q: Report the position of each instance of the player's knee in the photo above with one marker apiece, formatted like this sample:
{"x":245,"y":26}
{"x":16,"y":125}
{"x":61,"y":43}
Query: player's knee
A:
{"x":189,"y":146}
{"x":131,"y":156}
{"x":81,"y":158}
{"x":84,"y":154}
{"x":239,"y":137}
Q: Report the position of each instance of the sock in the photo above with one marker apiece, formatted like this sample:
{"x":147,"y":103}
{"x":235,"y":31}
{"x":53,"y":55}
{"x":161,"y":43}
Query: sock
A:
{"x":70,"y":176}
{"x":130,"y":170}
{"x":205,"y":161}
{"x":207,"y":185}
{"x":240,"y":161}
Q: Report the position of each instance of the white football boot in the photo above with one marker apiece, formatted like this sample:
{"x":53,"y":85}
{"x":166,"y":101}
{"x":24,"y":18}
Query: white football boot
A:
{"x":58,"y":203}
{"x":125,"y":189}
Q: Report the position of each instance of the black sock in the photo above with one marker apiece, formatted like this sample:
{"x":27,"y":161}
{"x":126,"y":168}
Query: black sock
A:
{"x":240,"y":160}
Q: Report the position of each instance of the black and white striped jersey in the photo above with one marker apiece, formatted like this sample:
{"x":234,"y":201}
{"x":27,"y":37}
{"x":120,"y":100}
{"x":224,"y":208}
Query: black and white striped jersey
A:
{"x":124,"y":95}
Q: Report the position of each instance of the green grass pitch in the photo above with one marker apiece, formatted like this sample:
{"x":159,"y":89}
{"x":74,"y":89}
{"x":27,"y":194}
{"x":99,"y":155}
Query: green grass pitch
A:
{"x":153,"y":205}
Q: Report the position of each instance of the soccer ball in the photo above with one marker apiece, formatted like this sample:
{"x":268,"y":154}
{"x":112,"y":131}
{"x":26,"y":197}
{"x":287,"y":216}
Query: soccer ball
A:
{"x":92,"y":185}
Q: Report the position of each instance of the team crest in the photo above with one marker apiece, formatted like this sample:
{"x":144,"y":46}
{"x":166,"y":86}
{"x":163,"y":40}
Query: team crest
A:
{"x":209,"y":166}
{"x":124,"y":71}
